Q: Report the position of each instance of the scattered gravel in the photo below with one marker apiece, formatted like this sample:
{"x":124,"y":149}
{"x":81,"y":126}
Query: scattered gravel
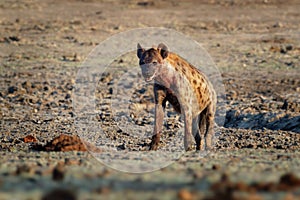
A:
{"x":256,"y":154}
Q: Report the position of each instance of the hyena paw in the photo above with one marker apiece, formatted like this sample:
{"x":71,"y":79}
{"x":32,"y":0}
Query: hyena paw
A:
{"x":154,"y":143}
{"x":153,"y":146}
{"x":188,"y":147}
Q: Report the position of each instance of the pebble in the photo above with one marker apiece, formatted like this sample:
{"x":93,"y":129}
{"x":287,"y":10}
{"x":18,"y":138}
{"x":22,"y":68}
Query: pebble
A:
{"x":22,"y":169}
{"x":29,"y":138}
{"x":12,"y":89}
{"x":216,"y":167}
{"x":58,"y":172}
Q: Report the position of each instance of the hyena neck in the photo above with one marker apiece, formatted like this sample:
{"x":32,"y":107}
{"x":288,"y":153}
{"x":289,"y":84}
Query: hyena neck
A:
{"x":166,"y":76}
{"x":174,"y":72}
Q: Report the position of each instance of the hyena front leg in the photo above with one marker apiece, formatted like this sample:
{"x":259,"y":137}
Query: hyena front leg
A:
{"x":160,"y":104}
{"x":159,"y":117}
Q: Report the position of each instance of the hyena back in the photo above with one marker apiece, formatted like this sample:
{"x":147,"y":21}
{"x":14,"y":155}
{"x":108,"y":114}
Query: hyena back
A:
{"x":186,"y":88}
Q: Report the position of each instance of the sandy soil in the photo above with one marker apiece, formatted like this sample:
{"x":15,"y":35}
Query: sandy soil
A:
{"x":256,"y":47}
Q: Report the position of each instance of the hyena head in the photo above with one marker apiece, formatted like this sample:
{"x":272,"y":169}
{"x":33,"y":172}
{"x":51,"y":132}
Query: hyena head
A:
{"x":151,"y":60}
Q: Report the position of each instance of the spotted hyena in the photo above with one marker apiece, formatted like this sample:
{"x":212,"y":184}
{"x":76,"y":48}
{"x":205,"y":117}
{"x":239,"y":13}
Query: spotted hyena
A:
{"x":186,"y":88}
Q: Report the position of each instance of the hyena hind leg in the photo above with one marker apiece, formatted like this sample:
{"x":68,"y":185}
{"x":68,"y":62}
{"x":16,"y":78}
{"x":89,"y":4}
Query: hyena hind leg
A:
{"x":209,"y":133}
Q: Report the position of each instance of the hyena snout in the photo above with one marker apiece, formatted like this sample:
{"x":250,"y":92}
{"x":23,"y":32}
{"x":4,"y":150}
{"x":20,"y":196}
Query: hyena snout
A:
{"x":148,"y":72}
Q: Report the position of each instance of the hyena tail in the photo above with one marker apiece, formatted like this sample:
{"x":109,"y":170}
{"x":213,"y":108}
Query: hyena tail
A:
{"x":202,"y":122}
{"x":199,"y":137}
{"x":206,"y":123}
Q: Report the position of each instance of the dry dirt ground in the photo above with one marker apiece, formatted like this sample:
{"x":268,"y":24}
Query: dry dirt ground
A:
{"x":254,"y":43}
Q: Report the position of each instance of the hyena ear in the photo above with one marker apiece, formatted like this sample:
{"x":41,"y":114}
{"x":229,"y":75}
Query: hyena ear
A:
{"x":163,"y":49}
{"x":139,"y":51}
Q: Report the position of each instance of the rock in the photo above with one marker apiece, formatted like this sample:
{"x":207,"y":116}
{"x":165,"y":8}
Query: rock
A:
{"x":69,"y":161}
{"x":289,"y":47}
{"x":216,"y":167}
{"x":65,"y":142}
{"x":291,"y":106}
{"x":106,"y":77}
{"x":121,"y":147}
{"x":14,"y":38}
{"x":12,"y":89}
{"x":29,"y":138}
{"x":27,"y":86}
{"x":275,"y":49}
{"x":22,"y":169}
{"x":68,"y":96}
{"x":289,"y":181}
{"x":277,"y":25}
{"x":58,"y":172}
{"x":71,"y":58}
{"x":145,"y":3}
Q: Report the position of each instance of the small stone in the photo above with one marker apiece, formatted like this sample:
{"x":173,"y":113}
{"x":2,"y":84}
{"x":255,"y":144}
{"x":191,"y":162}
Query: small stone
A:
{"x":68,"y":96}
{"x":277,"y":25}
{"x":275,"y":49}
{"x":69,"y":161}
{"x":224,"y":178}
{"x":22,"y":169}
{"x":58,"y":173}
{"x":145,"y":3}
{"x":12,"y":89}
{"x":29,"y":138}
{"x":216,"y":167}
{"x":289,"y":47}
{"x":290,"y":180}
{"x":26,"y":85}
{"x":76,"y":58}
{"x":14,"y":38}
{"x":283,"y":50}
{"x":121,"y":147}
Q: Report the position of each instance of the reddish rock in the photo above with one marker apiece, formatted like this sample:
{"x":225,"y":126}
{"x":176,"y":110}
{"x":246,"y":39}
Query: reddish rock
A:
{"x":65,"y":142}
{"x":29,"y":138}
{"x":58,"y":172}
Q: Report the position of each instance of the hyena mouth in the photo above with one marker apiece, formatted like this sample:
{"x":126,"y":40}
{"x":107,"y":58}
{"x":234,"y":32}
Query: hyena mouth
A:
{"x":149,"y":78}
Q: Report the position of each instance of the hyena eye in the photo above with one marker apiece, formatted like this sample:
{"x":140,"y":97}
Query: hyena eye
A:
{"x":154,"y":63}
